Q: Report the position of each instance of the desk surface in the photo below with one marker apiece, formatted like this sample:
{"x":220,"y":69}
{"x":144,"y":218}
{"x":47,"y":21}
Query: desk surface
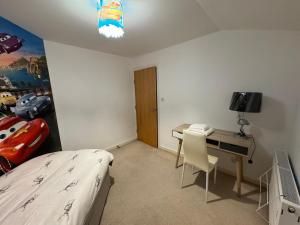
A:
{"x":221,"y":135}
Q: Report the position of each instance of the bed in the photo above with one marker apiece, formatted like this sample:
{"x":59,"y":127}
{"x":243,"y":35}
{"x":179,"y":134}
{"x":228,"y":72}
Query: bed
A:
{"x":67,"y":187}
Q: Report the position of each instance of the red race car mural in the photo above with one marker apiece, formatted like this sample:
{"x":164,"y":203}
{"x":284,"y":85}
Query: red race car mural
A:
{"x":19,"y":139}
{"x":9,"y":43}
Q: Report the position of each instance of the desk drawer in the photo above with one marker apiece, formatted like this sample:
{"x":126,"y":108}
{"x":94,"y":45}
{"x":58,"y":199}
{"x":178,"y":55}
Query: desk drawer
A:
{"x":234,"y":148}
{"x":212,"y":142}
{"x":177,"y":135}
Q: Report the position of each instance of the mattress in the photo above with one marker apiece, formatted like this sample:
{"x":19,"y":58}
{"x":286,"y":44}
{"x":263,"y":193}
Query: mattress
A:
{"x":56,"y":188}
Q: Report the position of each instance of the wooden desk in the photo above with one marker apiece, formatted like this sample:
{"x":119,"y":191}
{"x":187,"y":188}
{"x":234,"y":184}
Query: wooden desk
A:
{"x":225,"y":141}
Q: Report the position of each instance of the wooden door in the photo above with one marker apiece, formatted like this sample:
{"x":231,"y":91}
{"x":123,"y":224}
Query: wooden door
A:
{"x":146,"y":105}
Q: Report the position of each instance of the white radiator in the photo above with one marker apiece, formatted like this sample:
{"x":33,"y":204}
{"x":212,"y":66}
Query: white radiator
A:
{"x":283,"y":195}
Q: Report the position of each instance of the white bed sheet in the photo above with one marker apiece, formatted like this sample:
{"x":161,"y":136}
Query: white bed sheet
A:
{"x":56,"y":188}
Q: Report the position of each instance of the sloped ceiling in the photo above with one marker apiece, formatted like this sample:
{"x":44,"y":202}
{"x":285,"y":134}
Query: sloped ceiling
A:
{"x":150,"y":24}
{"x":253,"y":14}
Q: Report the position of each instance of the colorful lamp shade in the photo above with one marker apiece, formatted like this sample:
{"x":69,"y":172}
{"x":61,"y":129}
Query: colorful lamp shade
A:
{"x":110,"y":18}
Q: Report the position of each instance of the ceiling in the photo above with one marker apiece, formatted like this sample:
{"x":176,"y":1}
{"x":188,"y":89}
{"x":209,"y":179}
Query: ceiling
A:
{"x":149,"y":24}
{"x":253,"y":14}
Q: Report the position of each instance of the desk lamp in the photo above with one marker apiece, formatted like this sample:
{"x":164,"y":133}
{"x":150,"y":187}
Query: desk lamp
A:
{"x":245,"y":102}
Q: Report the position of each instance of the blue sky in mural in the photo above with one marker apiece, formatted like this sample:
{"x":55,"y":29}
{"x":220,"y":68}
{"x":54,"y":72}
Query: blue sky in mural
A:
{"x":32,"y":44}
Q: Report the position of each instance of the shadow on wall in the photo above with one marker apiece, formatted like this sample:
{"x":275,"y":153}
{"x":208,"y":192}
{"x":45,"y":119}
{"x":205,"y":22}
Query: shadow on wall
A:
{"x":263,"y":156}
{"x":273,"y":118}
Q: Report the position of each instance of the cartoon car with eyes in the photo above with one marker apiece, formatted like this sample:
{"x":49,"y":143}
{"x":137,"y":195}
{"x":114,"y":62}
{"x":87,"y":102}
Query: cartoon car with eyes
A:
{"x":19,"y":139}
{"x":30,"y":105}
{"x":7,"y":100}
{"x":9,"y":43}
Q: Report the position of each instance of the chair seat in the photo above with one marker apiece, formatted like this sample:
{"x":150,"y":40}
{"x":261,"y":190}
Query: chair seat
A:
{"x":213,"y":160}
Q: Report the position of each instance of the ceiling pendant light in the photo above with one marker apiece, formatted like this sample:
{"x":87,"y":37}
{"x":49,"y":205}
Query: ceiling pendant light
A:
{"x":110,"y":18}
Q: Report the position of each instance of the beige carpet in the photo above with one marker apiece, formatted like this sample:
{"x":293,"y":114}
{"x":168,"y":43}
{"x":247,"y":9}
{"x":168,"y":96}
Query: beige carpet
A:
{"x":146,"y":191}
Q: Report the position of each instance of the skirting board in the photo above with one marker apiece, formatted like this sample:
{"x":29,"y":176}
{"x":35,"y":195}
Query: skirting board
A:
{"x":223,"y":170}
{"x":121,"y":144}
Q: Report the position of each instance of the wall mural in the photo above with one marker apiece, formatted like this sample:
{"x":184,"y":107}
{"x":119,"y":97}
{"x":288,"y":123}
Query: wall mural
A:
{"x":28,"y":125}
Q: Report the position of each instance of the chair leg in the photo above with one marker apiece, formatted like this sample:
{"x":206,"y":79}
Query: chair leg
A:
{"x":182,"y":176}
{"x":215,"y":177}
{"x":207,"y":178}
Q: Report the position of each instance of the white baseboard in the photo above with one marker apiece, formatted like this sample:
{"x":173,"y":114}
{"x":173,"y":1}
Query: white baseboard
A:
{"x":120,"y":144}
{"x":223,"y":170}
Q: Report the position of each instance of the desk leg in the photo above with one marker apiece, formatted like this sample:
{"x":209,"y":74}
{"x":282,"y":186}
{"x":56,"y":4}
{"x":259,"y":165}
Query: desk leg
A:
{"x":239,"y":173}
{"x":178,"y":152}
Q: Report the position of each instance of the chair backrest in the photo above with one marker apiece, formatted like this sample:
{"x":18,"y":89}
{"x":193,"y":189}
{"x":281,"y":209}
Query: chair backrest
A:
{"x":195,"y":150}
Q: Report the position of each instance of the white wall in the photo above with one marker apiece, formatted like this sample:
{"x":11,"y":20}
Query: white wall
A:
{"x":93,"y":95}
{"x":294,"y":150}
{"x":197,"y":78}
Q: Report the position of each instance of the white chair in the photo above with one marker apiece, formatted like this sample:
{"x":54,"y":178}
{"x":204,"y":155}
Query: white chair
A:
{"x":195,"y":154}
